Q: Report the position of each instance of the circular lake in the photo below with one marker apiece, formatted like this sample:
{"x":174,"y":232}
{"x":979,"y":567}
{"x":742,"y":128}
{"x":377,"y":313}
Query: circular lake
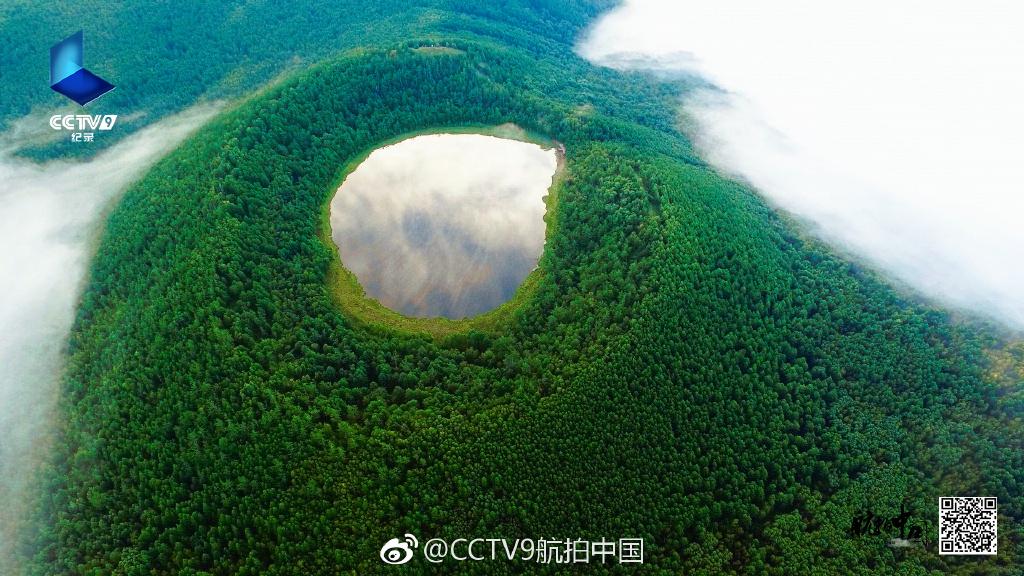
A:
{"x":444,"y":224}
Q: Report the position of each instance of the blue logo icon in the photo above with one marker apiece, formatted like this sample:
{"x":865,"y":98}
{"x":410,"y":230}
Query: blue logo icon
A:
{"x":68,"y":77}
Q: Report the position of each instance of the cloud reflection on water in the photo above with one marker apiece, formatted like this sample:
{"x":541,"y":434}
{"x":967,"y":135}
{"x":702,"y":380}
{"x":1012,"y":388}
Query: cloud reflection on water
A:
{"x":444,"y":224}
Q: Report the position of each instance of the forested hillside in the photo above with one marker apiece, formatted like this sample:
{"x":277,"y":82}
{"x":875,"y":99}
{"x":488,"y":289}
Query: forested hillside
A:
{"x":163,"y":58}
{"x":690,"y":369}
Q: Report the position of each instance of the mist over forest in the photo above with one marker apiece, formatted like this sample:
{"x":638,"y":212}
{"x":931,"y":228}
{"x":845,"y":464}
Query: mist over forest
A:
{"x":196,"y":378}
{"x":51,"y":216}
{"x":893,"y":129}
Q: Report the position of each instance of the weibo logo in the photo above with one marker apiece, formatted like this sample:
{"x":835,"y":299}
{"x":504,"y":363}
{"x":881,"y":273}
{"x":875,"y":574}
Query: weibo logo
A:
{"x":68,"y":77}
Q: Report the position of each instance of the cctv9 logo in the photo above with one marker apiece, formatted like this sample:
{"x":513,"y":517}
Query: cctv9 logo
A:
{"x":397,"y":551}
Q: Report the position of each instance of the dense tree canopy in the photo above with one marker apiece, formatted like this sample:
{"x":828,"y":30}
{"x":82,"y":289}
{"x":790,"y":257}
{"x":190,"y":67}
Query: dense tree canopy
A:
{"x":690,"y":369}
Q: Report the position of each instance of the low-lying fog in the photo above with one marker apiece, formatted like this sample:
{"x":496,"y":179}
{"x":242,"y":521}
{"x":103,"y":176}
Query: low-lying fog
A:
{"x":444,"y":224}
{"x":49,"y":217}
{"x":895,"y":127}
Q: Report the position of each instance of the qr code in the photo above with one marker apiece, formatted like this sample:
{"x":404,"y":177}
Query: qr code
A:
{"x":967,"y":525}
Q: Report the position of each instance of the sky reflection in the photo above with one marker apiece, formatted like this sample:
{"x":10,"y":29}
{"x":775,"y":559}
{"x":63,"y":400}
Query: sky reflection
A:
{"x":444,"y":224}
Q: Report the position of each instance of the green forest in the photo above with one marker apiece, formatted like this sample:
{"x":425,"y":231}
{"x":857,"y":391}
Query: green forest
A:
{"x":690,"y":366}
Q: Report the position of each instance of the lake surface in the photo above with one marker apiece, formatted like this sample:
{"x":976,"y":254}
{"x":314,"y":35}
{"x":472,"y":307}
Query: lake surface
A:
{"x":444,"y":224}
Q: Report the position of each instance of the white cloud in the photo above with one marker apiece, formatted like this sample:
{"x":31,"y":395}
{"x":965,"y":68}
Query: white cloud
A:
{"x":49,"y":216}
{"x":895,"y":127}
